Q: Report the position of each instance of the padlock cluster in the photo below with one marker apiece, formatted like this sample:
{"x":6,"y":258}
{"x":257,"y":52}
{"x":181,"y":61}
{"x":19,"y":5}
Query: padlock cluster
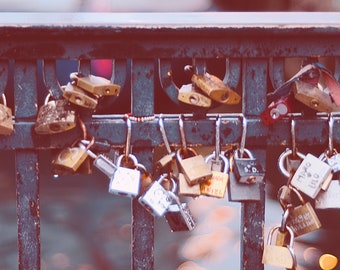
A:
{"x":313,"y":86}
{"x":180,"y":175}
{"x":312,"y":183}
{"x":59,"y":115}
{"x":205,"y":88}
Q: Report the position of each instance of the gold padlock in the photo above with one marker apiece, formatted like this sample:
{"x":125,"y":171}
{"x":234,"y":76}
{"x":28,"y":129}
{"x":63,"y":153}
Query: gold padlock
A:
{"x":189,"y":94}
{"x":279,"y":256}
{"x":95,"y":84}
{"x":185,"y":189}
{"x":78,"y":96}
{"x":6,"y":122}
{"x":313,"y":97}
{"x":215,"y":88}
{"x":55,"y":116}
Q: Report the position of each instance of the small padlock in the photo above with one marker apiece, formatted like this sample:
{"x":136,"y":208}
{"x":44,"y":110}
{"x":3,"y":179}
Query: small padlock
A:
{"x":311,"y":175}
{"x":279,"y":256}
{"x":69,"y":160}
{"x":156,"y":199}
{"x":288,"y":163}
{"x":247,"y":169}
{"x":189,"y":95}
{"x":6,"y":122}
{"x":314,"y":97}
{"x":193,"y":166}
{"x":185,"y":189}
{"x":215,"y":88}
{"x":178,"y":216}
{"x":95,"y":84}
{"x":78,"y":96}
{"x":330,"y":198}
{"x":126,"y":180}
{"x":55,"y":116}
{"x":332,"y":159}
{"x":276,"y":111}
{"x":216,"y":185}
{"x":303,"y":218}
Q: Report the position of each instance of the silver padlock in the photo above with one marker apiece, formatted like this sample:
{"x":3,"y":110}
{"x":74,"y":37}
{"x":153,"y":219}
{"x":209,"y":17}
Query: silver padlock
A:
{"x":288,"y":163}
{"x":330,"y":198}
{"x":157,"y":199}
{"x":125,"y":181}
{"x":247,"y":169}
{"x":311,"y":175}
{"x":178,"y":216}
{"x":332,"y":159}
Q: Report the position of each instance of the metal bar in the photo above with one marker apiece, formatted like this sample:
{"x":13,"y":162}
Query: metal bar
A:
{"x":27,"y":180}
{"x":252,"y":213}
{"x":142,"y":104}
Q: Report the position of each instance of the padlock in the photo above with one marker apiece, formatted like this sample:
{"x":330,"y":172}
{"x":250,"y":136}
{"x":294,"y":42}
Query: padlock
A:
{"x":215,"y":88}
{"x":276,"y":111}
{"x":311,"y":175}
{"x":79,"y":97}
{"x":279,"y":256}
{"x":332,"y":159}
{"x":6,"y":122}
{"x":95,"y":84}
{"x":193,"y":166}
{"x":55,"y":116}
{"x":216,"y":185}
{"x":302,"y":218}
{"x":283,"y":235}
{"x":178,"y":216}
{"x":185,"y":189}
{"x":329,"y":199}
{"x":145,"y":179}
{"x":314,"y":97}
{"x":68,"y":160}
{"x":156,"y":199}
{"x":126,"y":180}
{"x":189,"y":95}
{"x":247,"y":169}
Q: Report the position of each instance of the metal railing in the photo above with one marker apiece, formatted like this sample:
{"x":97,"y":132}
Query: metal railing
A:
{"x":144,"y":46}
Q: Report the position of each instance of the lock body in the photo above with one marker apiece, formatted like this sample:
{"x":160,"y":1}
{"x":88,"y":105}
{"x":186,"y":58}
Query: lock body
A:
{"x":6,"y":122}
{"x":180,"y":218}
{"x":95,"y":84}
{"x":55,"y":116}
{"x":311,"y":175}
{"x":79,"y":97}
{"x":125,"y":181}
{"x":187,"y":94}
{"x":185,"y":189}
{"x":215,"y":88}
{"x":69,"y":160}
{"x":276,"y":111}
{"x":156,"y":199}
{"x":248,"y":170}
{"x":329,"y":199}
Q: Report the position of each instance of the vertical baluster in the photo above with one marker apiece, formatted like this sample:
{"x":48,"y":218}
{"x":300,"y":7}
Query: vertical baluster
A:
{"x":252,"y":213}
{"x":25,"y":97}
{"x":142,"y":104}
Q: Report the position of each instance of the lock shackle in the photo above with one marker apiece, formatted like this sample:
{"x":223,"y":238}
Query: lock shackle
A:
{"x":130,"y":157}
{"x":4,"y":100}
{"x":185,"y":153}
{"x":218,"y":137}
{"x":182,"y":133}
{"x":291,"y":238}
{"x":285,"y":215}
{"x":297,"y":193}
{"x":163,"y":132}
{"x":330,"y":132}
{"x":283,"y":157}
{"x":128,"y":137}
{"x":165,"y":176}
{"x":244,"y":135}
{"x":238,"y":154}
{"x":223,"y":158}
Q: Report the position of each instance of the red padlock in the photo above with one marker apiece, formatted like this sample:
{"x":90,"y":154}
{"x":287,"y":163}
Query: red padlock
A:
{"x":276,"y":110}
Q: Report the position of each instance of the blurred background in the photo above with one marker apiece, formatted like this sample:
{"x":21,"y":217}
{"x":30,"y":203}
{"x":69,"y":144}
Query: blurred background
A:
{"x":83,"y":227}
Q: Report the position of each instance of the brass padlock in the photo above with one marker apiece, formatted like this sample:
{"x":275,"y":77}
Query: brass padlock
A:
{"x":303,"y":218}
{"x":178,"y":216}
{"x":189,"y":95}
{"x":185,"y":189}
{"x":311,"y":176}
{"x":215,"y":88}
{"x":216,"y":186}
{"x":314,"y":97}
{"x":78,"y":96}
{"x":279,"y":256}
{"x":6,"y":121}
{"x":95,"y":84}
{"x":55,"y":116}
